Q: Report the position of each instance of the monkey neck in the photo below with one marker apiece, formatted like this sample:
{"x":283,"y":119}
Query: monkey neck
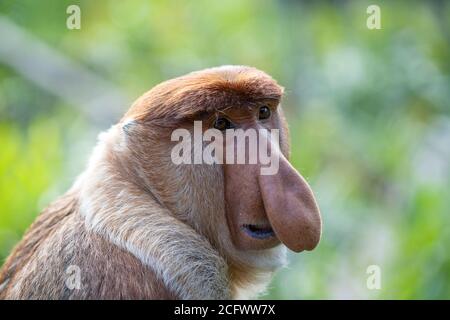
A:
{"x":121,"y":212}
{"x":247,"y":281}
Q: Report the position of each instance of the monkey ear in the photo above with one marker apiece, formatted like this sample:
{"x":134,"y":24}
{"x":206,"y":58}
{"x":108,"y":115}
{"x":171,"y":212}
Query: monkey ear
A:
{"x":128,"y":125}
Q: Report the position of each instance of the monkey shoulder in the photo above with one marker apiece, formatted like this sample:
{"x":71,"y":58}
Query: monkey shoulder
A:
{"x":58,"y":258}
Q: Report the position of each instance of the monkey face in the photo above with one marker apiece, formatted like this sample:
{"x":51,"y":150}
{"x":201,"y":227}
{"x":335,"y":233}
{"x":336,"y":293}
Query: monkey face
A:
{"x":265,"y":208}
{"x":260,"y":208}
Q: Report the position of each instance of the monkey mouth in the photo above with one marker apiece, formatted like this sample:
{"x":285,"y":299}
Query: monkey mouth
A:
{"x":258,"y":231}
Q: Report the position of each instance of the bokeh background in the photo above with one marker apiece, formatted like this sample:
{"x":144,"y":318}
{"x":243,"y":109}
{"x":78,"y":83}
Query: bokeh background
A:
{"x":368,"y":110}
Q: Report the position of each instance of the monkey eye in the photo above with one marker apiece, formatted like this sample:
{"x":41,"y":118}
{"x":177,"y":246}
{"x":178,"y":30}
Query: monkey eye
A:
{"x":223,"y":124}
{"x":264,"y":113}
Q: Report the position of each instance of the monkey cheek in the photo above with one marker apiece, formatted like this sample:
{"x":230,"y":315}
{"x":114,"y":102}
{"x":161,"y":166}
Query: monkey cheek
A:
{"x":246,"y":217}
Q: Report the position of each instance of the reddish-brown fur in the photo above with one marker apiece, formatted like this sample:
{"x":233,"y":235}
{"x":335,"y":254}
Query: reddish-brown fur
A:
{"x":201,"y":92}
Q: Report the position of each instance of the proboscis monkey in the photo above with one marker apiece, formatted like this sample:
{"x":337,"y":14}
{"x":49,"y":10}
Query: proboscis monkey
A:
{"x":137,"y":226}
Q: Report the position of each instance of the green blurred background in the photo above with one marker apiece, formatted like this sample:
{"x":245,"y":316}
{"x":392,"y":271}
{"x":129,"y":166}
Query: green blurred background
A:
{"x":368,"y":110}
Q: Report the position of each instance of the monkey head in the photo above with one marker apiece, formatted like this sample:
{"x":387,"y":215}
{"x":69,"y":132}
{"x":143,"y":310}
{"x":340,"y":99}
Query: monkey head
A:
{"x":241,"y":211}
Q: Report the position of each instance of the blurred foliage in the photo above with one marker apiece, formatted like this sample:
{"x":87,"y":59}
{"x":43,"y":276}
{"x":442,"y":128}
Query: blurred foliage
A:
{"x":368,"y":110}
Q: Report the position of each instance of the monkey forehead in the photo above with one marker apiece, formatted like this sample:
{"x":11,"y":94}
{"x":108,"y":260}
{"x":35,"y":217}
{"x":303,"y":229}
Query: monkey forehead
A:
{"x":206,"y":91}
